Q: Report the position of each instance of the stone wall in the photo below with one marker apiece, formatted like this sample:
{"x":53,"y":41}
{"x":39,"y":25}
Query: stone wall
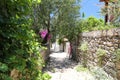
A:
{"x":108,"y":40}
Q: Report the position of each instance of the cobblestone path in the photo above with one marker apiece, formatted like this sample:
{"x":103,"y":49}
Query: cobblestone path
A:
{"x":61,"y":68}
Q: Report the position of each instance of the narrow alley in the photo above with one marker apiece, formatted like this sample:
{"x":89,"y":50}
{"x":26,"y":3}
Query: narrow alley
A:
{"x":61,"y":67}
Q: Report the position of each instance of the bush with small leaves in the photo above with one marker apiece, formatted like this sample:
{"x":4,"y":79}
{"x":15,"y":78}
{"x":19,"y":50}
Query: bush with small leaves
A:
{"x":117,"y":54}
{"x":100,"y":74}
{"x":84,"y":49}
{"x":101,"y":54}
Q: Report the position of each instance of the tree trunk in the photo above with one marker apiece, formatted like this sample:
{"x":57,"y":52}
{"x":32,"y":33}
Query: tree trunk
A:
{"x":106,"y":16}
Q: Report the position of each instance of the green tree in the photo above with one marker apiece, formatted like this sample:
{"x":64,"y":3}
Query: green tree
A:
{"x":58,"y":16}
{"x":113,"y":12}
{"x":64,"y":21}
{"x":43,"y":14}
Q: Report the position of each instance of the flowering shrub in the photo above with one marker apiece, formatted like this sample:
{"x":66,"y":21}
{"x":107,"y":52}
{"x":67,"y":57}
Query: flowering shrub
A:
{"x":45,"y":36}
{"x":20,"y":57}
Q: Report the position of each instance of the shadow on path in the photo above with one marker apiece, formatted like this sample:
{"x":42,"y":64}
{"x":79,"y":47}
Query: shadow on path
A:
{"x":58,"y":62}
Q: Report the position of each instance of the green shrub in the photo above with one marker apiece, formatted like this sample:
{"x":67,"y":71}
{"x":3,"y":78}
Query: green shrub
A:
{"x":101,"y":54}
{"x":46,"y":76}
{"x":21,"y":52}
{"x":104,"y":27}
{"x":84,"y":46}
{"x":100,"y":74}
{"x":81,"y":68}
{"x":117,"y":54}
{"x":84,"y":49}
{"x":19,"y":46}
{"x":92,"y":23}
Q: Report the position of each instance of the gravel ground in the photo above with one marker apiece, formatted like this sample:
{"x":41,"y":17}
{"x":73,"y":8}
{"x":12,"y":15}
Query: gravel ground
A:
{"x":61,"y":68}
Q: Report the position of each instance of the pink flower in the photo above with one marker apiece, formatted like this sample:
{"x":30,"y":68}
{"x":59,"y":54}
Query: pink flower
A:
{"x":43,"y":33}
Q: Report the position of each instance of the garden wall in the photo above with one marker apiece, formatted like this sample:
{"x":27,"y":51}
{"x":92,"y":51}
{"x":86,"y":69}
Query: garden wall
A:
{"x":107,"y":40}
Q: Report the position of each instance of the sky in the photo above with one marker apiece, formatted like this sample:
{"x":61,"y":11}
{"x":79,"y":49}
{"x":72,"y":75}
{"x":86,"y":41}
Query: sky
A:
{"x":91,"y":8}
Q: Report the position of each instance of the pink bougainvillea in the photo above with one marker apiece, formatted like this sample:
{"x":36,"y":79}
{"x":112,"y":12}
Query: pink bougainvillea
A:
{"x":43,"y":33}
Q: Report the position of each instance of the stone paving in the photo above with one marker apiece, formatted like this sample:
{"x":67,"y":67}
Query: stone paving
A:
{"x":61,"y":68}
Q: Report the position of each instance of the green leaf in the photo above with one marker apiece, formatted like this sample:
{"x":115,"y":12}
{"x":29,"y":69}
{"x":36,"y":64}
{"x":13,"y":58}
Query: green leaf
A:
{"x":3,"y":67}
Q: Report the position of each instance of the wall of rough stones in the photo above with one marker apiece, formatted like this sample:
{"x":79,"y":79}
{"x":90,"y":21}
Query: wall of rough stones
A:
{"x":108,"y":40}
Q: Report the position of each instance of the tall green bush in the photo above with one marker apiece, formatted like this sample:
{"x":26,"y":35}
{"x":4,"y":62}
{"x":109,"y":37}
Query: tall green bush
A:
{"x":19,"y":46}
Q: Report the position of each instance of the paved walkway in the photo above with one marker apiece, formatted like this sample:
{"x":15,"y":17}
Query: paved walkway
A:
{"x":61,"y":68}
